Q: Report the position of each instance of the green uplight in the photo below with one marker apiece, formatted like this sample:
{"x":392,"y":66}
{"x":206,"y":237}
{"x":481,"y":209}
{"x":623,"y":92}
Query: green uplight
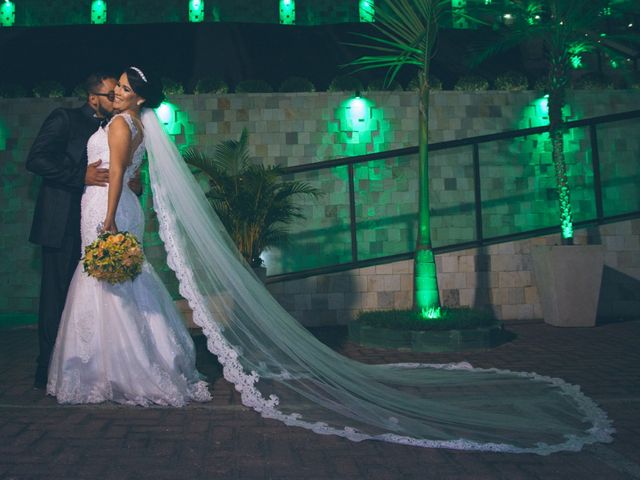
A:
{"x":358,"y":114}
{"x":357,"y":127}
{"x":4,"y":136}
{"x":367,"y":11}
{"x":167,"y":115}
{"x":458,"y":10}
{"x":98,"y":12}
{"x":431,"y":313}
{"x":196,"y":10}
{"x":287,"y":12}
{"x":426,"y":282}
{"x":7,"y":13}
{"x":487,"y":2}
{"x":614,"y":64}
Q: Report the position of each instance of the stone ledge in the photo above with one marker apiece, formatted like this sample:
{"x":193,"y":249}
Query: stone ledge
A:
{"x":427,"y":341}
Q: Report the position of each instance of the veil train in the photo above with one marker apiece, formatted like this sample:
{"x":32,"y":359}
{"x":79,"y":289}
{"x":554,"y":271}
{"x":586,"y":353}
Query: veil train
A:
{"x":284,"y":373}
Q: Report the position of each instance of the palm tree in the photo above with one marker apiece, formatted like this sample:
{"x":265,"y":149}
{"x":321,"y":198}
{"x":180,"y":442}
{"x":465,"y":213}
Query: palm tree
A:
{"x":567,"y":29}
{"x":254,"y":204}
{"x":408,"y":31}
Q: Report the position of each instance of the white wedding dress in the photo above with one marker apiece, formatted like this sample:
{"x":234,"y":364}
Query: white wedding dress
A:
{"x":126,"y":342}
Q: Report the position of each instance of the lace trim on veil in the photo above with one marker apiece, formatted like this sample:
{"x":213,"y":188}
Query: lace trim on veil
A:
{"x":245,"y":383}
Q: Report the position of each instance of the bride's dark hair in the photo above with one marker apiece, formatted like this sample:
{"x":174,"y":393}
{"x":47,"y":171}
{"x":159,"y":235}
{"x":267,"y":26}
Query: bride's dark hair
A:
{"x":145,"y":84}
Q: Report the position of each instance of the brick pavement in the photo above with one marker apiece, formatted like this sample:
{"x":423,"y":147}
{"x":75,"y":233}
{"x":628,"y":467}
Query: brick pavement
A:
{"x":224,"y":440}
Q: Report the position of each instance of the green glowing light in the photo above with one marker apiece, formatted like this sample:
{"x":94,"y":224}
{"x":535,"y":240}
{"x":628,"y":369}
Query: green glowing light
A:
{"x":487,"y":2}
{"x":614,"y":63}
{"x":576,"y":61}
{"x":7,"y":13}
{"x":167,"y":115}
{"x":426,"y":282}
{"x":367,"y":11}
{"x":358,"y":114}
{"x":98,"y":12}
{"x":575,"y":54}
{"x":196,"y":10}
{"x":4,"y":136}
{"x":356,"y":123}
{"x":458,"y":11}
{"x":287,"y":12}
{"x":431,"y":313}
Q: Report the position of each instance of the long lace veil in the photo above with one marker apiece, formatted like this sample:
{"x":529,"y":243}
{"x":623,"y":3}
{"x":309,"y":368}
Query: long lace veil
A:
{"x":284,"y":373}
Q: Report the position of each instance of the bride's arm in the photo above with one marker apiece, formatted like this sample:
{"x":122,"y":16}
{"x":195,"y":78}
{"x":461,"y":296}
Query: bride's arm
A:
{"x":119,"y":158}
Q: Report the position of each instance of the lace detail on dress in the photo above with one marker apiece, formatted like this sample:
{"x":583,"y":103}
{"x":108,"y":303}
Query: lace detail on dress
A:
{"x":94,"y":201}
{"x":138,"y":154}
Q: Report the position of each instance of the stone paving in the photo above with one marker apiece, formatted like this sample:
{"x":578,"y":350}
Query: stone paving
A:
{"x":224,"y":440}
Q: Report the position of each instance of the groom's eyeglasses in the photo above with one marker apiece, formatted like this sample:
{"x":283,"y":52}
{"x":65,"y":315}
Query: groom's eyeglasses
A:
{"x":110,"y":95}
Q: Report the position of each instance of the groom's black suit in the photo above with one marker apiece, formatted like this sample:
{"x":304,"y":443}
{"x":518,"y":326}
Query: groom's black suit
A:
{"x":59,"y":156}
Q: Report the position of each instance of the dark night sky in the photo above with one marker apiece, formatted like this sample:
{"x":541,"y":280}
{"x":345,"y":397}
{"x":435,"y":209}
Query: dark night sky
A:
{"x":187,"y":52}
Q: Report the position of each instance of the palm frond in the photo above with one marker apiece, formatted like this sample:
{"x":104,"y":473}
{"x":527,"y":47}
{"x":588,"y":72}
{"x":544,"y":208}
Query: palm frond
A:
{"x":196,"y":158}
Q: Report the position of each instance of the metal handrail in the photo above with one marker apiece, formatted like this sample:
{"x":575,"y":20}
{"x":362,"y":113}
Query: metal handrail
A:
{"x":474,"y":142}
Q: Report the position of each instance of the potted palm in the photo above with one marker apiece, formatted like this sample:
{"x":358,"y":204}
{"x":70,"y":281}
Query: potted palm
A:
{"x":568,"y":278}
{"x":254,"y":203}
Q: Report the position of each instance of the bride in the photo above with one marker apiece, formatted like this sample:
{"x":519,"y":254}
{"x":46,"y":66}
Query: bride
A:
{"x":125,"y":342}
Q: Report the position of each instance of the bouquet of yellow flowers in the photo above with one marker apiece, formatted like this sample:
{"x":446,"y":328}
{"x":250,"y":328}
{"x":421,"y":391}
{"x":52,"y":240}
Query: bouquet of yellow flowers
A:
{"x":113,"y":257}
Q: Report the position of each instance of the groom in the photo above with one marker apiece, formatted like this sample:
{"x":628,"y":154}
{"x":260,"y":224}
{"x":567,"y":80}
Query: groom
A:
{"x":59,"y":156}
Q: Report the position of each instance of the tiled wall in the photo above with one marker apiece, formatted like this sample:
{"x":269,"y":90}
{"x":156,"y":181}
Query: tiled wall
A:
{"x":309,"y":127}
{"x":497,"y":277}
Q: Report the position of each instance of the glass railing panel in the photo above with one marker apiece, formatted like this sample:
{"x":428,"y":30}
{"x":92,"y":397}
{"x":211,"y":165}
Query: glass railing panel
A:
{"x":619,"y":149}
{"x":323,"y":237}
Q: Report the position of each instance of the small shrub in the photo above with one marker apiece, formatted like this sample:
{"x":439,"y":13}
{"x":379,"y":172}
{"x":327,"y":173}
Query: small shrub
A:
{"x":434,"y":83}
{"x":511,"y":82}
{"x":211,"y":85}
{"x":297,"y":84}
{"x":253,"y":86}
{"x":79,"y":92}
{"x":171,"y":87}
{"x":12,"y":90}
{"x":379,"y":85}
{"x":593,"y":81}
{"x":48,"y":89}
{"x":471,"y":83}
{"x":345,"y":83}
{"x":541,"y":84}
{"x":451,"y":319}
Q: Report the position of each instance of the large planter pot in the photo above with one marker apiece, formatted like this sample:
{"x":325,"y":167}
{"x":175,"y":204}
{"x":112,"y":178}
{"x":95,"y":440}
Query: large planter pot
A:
{"x":568,"y":278}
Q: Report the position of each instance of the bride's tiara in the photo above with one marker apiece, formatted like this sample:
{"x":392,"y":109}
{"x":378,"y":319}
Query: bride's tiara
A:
{"x":139,"y":73}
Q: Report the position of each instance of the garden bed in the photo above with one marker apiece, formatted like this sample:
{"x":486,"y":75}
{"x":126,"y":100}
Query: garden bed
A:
{"x":404,"y":330}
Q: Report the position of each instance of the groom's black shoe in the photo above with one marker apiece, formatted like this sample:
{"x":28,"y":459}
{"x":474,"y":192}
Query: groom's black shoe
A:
{"x":39,"y":384}
{"x":40,"y":380}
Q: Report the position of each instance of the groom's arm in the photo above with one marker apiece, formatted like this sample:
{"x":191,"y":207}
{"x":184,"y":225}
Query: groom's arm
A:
{"x":47,"y":157}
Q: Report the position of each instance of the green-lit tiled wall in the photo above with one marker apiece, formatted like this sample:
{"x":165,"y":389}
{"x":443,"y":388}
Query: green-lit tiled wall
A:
{"x":294,"y":129}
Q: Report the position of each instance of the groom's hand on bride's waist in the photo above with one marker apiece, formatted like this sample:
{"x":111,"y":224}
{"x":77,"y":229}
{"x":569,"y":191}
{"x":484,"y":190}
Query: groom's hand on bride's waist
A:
{"x":96,"y":176}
